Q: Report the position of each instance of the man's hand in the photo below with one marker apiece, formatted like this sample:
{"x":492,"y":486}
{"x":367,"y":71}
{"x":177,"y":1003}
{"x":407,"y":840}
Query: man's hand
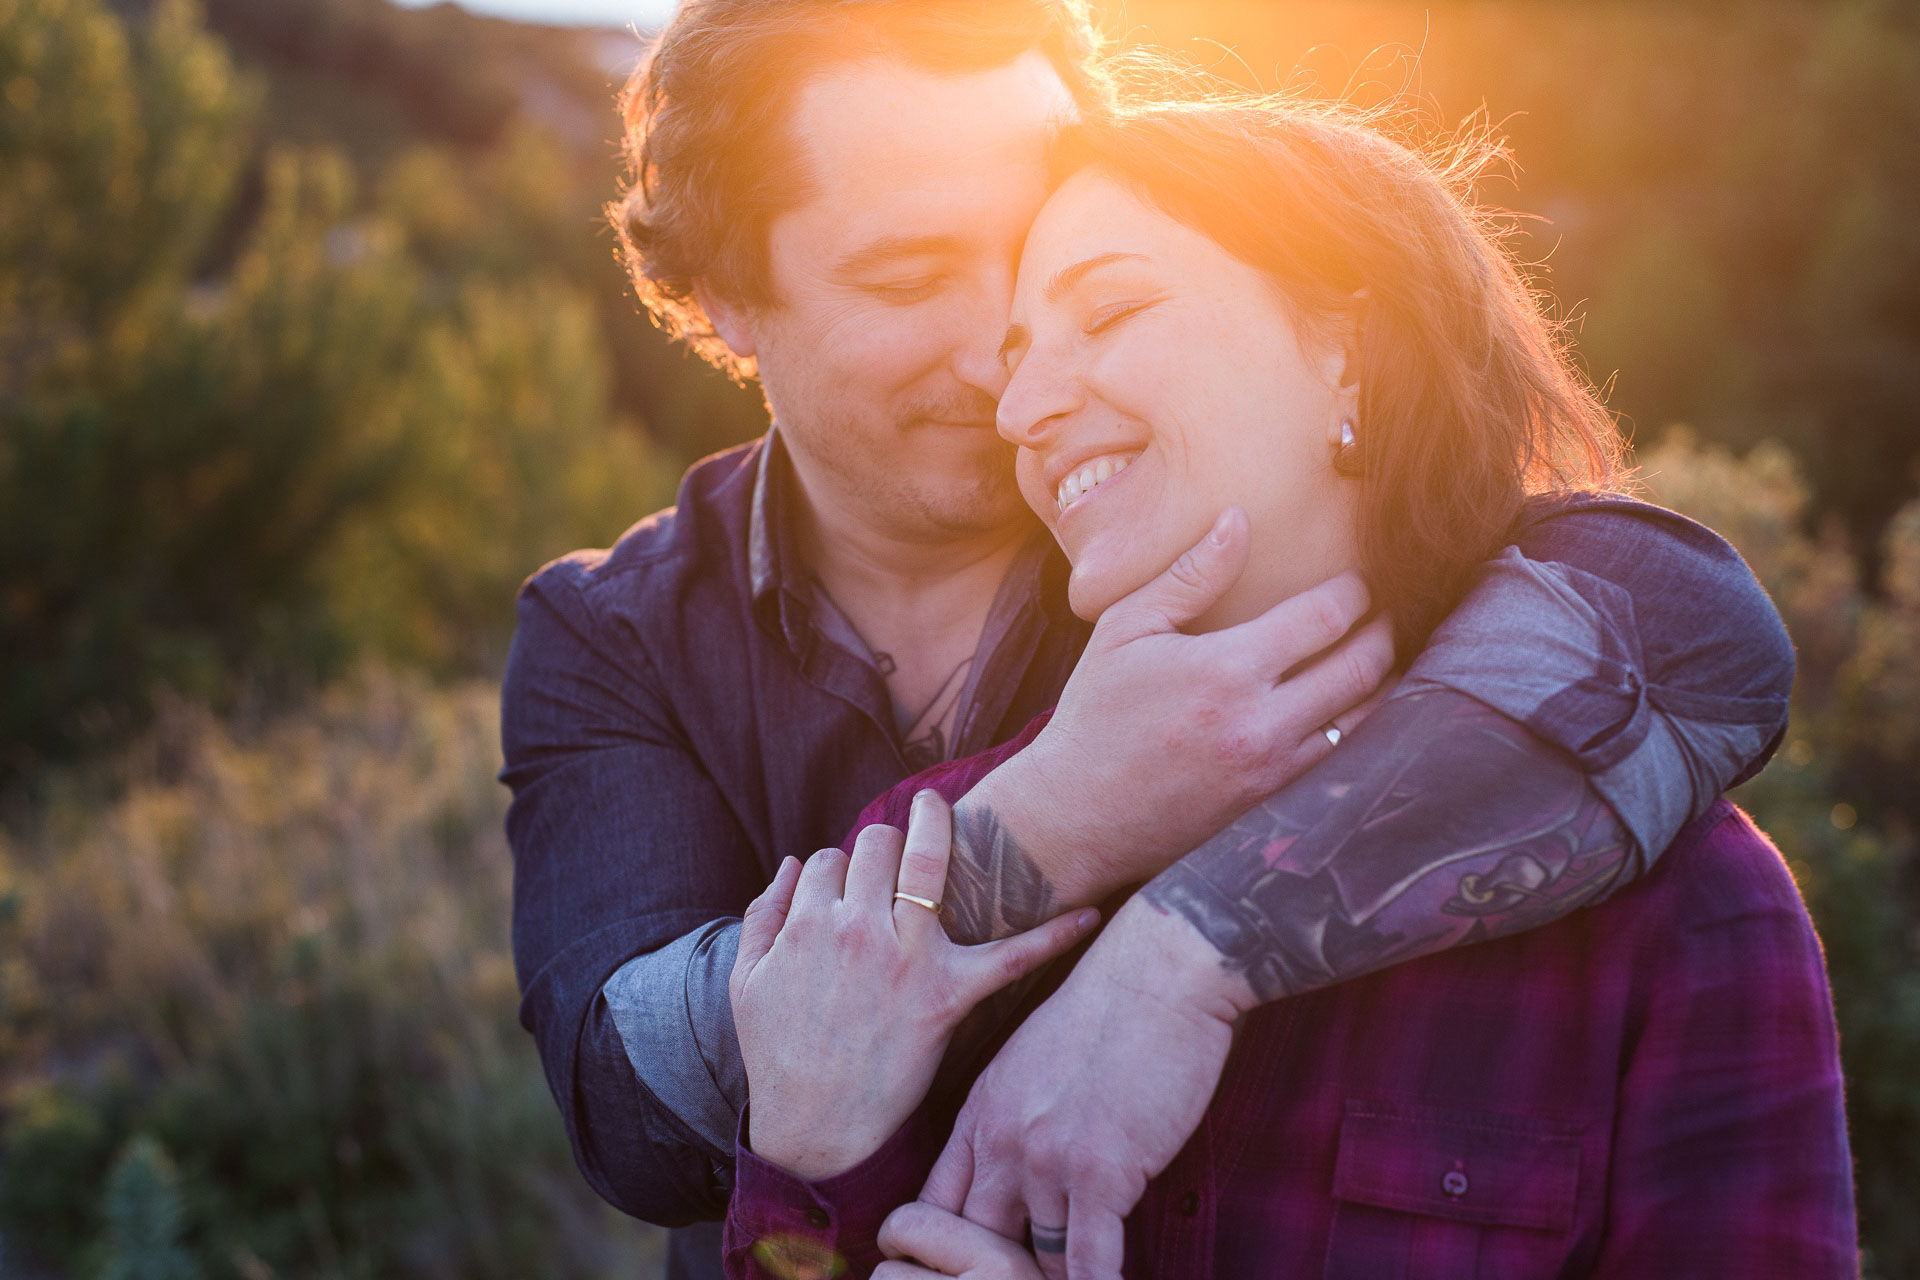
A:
{"x":845,"y":997}
{"x":1094,"y":1095}
{"x":1162,"y":738}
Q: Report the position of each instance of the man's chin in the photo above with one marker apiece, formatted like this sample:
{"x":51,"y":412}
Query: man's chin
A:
{"x":977,"y":509}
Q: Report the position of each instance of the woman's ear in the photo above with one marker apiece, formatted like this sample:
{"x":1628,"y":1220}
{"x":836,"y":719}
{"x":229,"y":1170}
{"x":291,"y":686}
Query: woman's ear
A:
{"x":1353,"y":331}
{"x":732,"y":322}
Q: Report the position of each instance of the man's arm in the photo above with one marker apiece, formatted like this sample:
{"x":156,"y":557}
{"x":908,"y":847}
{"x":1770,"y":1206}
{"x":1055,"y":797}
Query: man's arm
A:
{"x":1575,"y":712}
{"x":1454,"y":825}
{"x":622,"y":973}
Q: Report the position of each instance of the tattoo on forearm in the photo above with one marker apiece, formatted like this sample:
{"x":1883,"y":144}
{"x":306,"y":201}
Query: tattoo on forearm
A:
{"x":1442,"y":823}
{"x":993,"y":888}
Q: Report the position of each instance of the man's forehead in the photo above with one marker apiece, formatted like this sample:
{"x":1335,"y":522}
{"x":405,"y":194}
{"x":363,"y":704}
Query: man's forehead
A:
{"x":880,"y":127}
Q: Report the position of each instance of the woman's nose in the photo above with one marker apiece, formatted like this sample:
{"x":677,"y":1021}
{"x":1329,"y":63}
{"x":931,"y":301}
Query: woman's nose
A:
{"x":1040,"y":394}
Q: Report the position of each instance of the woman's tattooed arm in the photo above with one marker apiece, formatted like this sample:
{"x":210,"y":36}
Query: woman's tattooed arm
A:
{"x":993,"y":888}
{"x":1446,"y":829}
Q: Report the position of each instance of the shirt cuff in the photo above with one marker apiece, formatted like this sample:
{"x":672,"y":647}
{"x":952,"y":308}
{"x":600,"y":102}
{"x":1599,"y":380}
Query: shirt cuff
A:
{"x":675,"y":1021}
{"x":781,"y":1225}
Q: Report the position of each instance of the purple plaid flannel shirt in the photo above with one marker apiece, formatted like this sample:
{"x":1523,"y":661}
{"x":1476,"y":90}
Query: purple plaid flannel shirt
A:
{"x":1650,"y":1087}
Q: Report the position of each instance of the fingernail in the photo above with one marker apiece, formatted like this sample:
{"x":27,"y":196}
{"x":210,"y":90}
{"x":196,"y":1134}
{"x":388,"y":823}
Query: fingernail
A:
{"x":1086,"y":920}
{"x":1218,"y":535}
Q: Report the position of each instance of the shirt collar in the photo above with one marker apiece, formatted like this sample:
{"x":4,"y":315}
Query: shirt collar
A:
{"x":780,"y":583}
{"x":769,"y":538}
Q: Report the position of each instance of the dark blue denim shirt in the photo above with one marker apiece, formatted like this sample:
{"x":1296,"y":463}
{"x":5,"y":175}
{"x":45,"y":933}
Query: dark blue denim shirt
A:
{"x":676,"y":719}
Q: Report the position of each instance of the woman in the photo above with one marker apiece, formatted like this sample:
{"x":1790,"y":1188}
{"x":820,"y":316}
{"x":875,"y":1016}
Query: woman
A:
{"x":1272,"y":309}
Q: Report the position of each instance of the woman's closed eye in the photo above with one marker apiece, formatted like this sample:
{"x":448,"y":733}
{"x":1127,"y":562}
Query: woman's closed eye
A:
{"x":1105,"y":318}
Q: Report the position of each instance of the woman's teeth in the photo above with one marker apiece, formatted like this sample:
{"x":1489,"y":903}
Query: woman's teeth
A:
{"x":1077,"y":485}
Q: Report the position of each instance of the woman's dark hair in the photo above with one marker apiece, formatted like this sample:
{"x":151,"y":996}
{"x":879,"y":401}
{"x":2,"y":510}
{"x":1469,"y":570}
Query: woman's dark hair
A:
{"x":1468,"y":401}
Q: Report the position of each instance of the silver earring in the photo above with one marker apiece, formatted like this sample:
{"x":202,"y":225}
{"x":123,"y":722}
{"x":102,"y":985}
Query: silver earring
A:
{"x":1346,"y":458}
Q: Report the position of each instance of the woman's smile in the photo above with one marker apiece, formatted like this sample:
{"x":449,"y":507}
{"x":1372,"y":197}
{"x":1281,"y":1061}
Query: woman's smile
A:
{"x":1154,"y":381}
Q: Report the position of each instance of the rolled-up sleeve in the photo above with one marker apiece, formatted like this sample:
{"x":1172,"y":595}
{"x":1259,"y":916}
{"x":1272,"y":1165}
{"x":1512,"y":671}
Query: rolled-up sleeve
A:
{"x":1634,"y":640}
{"x":674,"y":1014}
{"x":622,"y":845}
{"x":779,"y":1226}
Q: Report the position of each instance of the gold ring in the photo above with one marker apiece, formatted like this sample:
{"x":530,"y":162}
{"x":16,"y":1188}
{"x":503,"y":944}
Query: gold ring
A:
{"x":917,"y":901}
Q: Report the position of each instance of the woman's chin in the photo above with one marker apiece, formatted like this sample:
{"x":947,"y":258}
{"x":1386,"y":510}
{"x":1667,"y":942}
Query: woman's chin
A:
{"x":1094,"y":588}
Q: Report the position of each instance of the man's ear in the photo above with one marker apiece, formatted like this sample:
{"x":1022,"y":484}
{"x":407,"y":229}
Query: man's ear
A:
{"x":732,"y":322}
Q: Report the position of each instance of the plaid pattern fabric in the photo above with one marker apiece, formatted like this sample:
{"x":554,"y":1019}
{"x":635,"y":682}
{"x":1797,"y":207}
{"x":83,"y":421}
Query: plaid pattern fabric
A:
{"x":1647,"y":1088}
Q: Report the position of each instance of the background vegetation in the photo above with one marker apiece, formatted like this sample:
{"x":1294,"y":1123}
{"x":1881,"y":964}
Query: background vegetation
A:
{"x":311,"y":348}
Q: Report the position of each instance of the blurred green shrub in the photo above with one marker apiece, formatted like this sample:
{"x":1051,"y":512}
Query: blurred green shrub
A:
{"x":343,"y":440}
{"x":259,"y":1016}
{"x":1840,"y":799}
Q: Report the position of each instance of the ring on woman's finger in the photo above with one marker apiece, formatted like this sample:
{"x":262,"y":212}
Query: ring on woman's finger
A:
{"x":917,"y":901}
{"x":1333,"y":733}
{"x":1047,"y":1239}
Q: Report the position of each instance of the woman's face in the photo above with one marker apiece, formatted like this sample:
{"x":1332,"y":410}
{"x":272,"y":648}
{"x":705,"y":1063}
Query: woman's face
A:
{"x":1155,"y":381}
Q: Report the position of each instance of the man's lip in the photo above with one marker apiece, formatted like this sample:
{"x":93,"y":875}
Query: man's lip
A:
{"x":968,"y":424}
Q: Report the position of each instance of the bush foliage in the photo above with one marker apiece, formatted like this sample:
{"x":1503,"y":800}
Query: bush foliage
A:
{"x":259,"y":1013}
{"x":357,"y":434}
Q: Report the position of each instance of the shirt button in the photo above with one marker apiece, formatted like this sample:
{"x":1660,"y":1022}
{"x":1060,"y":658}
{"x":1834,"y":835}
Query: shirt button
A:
{"x":1189,"y":1204}
{"x":1454,"y":1184}
{"x":818,"y":1220}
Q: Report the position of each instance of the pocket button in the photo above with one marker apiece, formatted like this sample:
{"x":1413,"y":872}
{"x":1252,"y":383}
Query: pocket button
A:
{"x":1454,"y":1183}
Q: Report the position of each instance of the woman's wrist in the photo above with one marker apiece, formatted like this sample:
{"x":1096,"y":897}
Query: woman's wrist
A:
{"x":1166,"y":958}
{"x":811,"y":1153}
{"x":1016,"y":810}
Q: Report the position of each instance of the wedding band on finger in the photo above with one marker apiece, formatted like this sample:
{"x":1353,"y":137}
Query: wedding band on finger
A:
{"x":1333,"y":733}
{"x":1047,"y":1239}
{"x":917,"y":901}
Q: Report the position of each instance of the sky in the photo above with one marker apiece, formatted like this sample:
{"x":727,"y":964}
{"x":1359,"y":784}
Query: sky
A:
{"x":603,"y":13}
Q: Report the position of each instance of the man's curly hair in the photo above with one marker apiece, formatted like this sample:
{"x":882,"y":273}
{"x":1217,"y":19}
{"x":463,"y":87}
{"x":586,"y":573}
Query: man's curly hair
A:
{"x":709,"y":163}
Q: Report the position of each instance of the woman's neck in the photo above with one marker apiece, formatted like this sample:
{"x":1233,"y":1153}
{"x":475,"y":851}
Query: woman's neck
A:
{"x":1282,"y":564}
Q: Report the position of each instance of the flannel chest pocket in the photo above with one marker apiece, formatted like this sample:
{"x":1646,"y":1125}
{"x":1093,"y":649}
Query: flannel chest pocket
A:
{"x":1440,"y":1193}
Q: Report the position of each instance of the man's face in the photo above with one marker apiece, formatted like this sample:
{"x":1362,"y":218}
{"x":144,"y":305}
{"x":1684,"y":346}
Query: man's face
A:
{"x":892,"y":282}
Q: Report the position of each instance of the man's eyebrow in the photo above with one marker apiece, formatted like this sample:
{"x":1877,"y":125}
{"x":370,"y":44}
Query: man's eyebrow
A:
{"x":1067,"y":277}
{"x":1015,"y":339}
{"x":891,"y":249}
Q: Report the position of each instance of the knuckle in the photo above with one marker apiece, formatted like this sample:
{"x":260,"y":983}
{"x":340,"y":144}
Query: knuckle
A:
{"x":922,"y":864}
{"x":877,"y":833}
{"x":1187,"y":570}
{"x":1325,"y":616}
{"x":1240,"y":748}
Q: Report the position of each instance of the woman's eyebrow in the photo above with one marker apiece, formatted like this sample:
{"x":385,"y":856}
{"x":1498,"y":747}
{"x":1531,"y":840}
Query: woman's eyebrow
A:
{"x":1067,"y":277}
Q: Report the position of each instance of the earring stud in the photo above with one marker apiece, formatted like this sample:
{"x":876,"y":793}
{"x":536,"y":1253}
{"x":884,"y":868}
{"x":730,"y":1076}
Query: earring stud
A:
{"x":1346,"y":433}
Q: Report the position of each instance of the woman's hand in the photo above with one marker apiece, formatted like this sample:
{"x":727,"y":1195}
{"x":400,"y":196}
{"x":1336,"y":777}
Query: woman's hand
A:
{"x":926,"y":1242}
{"x":1095,"y":1094}
{"x":845,"y":996}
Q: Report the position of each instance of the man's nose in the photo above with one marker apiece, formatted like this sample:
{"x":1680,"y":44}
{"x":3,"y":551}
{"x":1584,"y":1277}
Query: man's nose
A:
{"x":977,"y":353}
{"x":1039,"y":396}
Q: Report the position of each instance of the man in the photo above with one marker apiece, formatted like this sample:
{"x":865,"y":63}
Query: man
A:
{"x":832,"y":195}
